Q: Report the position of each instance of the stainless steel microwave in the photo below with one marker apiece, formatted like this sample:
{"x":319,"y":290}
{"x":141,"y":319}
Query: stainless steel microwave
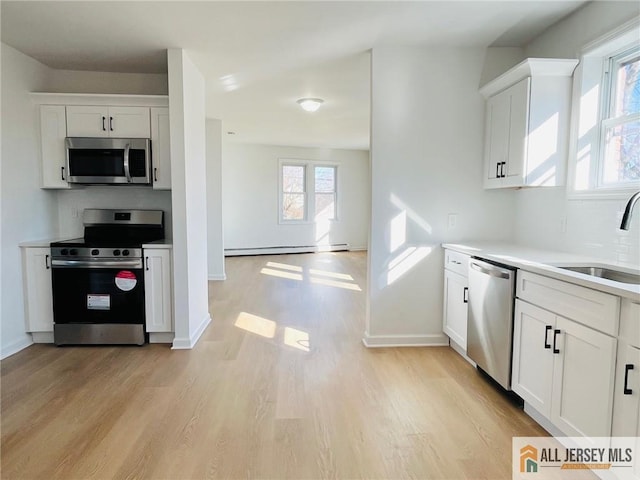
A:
{"x":108,"y":161}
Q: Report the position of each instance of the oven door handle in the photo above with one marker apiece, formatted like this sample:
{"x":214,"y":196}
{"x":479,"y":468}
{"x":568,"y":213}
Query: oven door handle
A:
{"x":97,"y":264}
{"x":127,"y":171}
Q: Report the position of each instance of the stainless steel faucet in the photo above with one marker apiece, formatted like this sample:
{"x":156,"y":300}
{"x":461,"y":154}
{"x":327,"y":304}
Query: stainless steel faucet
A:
{"x":626,"y":218}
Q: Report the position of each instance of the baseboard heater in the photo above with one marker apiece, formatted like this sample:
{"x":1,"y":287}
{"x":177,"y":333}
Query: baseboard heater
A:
{"x":235,"y":252}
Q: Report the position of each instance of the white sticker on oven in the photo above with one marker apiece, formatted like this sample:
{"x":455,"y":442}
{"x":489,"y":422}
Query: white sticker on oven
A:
{"x":126,"y":280}
{"x":99,"y":302}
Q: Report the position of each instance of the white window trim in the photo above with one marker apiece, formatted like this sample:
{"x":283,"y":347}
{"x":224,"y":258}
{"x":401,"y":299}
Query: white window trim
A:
{"x":309,"y":204}
{"x":593,"y":64}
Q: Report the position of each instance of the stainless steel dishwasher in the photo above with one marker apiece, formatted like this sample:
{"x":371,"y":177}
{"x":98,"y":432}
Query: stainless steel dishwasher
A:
{"x":490,"y":319}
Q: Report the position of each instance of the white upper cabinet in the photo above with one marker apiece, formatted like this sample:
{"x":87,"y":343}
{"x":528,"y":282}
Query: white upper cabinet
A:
{"x":160,"y":148}
{"x":101,"y":121}
{"x":527,"y":124}
{"x":53,"y":130}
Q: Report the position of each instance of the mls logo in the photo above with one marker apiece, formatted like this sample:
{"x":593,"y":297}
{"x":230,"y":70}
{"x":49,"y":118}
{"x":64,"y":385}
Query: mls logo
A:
{"x":528,"y":459}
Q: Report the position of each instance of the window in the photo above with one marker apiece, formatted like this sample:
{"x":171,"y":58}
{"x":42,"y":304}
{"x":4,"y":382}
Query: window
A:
{"x":299,"y":177}
{"x":621,"y":123}
{"x":605,"y":158}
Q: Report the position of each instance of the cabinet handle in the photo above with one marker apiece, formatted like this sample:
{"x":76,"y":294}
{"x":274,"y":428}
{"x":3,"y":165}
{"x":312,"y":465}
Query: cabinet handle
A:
{"x":498,"y":169}
{"x":111,"y":123}
{"x":62,"y":174}
{"x":465,"y":295}
{"x":627,"y":367}
{"x":555,"y":338}
{"x":104,"y":128}
{"x":155,"y":174}
{"x":502,"y":165}
{"x":48,"y":265}
{"x":147,"y":264}
{"x":547,"y":329}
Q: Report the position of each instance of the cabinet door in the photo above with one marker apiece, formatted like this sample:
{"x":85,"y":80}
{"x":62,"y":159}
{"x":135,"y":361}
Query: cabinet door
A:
{"x":158,"y":291}
{"x":532,"y":370}
{"x":87,"y":121}
{"x":496,"y":138}
{"x":53,"y":130}
{"x":626,"y":400}
{"x":161,"y":148}
{"x":38,"y":290}
{"x":518,"y":130}
{"x":583,"y":376}
{"x":129,"y":122}
{"x":455,"y":307}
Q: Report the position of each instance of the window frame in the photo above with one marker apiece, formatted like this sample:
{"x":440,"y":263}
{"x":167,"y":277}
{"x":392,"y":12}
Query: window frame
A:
{"x":334,"y":192}
{"x":596,"y":62}
{"x":310,"y":191}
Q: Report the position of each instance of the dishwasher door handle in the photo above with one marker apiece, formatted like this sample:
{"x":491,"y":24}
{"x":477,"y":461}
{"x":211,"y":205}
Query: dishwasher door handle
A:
{"x":491,"y":270}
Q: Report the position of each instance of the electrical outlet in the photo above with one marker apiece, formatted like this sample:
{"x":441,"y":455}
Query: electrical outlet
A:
{"x":452,"y":220}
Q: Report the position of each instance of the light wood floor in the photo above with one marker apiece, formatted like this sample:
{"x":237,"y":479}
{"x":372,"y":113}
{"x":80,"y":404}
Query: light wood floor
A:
{"x":280,"y":386}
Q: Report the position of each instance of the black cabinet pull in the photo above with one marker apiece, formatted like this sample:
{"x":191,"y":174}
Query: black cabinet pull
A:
{"x":48,"y":265}
{"x":111,"y":123}
{"x":547,"y":329}
{"x":465,"y":295}
{"x":627,"y":367}
{"x":555,"y":338}
{"x":104,"y":128}
{"x":155,"y":174}
{"x":147,"y":262}
{"x":498,"y":170}
{"x":62,"y":173}
{"x":502,"y":165}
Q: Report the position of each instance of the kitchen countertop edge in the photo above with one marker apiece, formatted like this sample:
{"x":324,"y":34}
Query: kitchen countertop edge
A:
{"x":546,"y":262}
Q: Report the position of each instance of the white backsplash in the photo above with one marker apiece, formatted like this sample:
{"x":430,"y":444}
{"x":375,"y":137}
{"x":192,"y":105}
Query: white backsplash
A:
{"x":71,"y":204}
{"x":546,"y":218}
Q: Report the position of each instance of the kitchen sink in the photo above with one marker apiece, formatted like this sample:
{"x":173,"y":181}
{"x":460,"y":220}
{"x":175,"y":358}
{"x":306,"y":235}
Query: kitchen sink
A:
{"x":608,"y":273}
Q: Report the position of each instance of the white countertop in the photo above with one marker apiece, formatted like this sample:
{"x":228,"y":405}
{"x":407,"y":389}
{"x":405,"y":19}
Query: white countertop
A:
{"x":164,"y":243}
{"x":546,"y":262}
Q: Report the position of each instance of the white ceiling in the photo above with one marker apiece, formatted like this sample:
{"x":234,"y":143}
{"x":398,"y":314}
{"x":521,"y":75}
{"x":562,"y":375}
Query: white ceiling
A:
{"x":258,"y":58}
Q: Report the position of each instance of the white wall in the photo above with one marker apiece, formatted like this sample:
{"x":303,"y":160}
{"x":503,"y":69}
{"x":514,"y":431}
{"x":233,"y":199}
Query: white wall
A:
{"x":215,"y":238}
{"x":592,"y":225}
{"x":28,"y":213}
{"x":76,"y":81}
{"x":189,"y":198}
{"x":426,"y":163}
{"x":250,"y":197}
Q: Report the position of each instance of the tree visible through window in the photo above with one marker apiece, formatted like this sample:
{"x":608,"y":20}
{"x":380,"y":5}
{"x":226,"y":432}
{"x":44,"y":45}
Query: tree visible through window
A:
{"x":621,"y":127}
{"x":293,"y":192}
{"x":299,"y":177}
{"x":325,"y":193}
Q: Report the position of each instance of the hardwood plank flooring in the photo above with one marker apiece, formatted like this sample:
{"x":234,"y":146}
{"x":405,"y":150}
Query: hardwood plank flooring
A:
{"x":279,"y":386}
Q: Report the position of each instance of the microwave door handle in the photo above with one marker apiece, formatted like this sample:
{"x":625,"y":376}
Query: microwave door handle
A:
{"x":127,"y":172}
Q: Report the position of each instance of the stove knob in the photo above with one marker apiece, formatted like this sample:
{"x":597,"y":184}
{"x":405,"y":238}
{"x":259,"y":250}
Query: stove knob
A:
{"x":125,"y":253}
{"x":73,"y":251}
{"x":116,"y":253}
{"x":95,"y":252}
{"x":64,"y":251}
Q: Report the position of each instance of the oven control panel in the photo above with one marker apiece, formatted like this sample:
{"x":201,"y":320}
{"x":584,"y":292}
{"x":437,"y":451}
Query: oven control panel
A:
{"x":88,"y":252}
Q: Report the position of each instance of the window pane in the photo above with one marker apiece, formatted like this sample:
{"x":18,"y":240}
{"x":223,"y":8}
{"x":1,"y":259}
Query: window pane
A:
{"x":627,"y":99}
{"x":293,"y":206}
{"x":292,"y":178}
{"x":325,"y":206}
{"x":325,"y":179}
{"x":622,"y":153}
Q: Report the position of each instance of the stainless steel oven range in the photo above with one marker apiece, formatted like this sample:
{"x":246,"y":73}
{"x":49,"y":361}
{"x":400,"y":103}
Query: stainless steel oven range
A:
{"x":98,"y":280}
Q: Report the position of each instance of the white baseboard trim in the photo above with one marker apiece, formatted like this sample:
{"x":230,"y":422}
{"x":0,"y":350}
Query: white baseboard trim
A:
{"x":233,"y":252}
{"x":543,"y":421}
{"x":42,"y":337}
{"x":161,"y":337}
{"x":189,"y":343}
{"x":374,"y":341}
{"x":217,"y":277}
{"x":15,"y":347}
{"x":358,"y":249}
{"x":461,"y":351}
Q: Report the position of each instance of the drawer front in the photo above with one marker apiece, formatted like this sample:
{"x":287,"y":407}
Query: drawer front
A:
{"x":590,"y":307}
{"x":456,"y":262}
{"x":630,"y":322}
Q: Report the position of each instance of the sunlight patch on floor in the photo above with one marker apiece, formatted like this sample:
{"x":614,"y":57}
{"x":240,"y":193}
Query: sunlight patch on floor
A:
{"x":316,"y":276}
{"x":255,"y":324}
{"x":296,"y":338}
{"x":281,"y":274}
{"x":285,"y":266}
{"x":325,"y":273}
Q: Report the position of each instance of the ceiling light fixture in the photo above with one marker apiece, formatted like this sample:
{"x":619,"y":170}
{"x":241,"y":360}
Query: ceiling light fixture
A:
{"x":310,"y":104}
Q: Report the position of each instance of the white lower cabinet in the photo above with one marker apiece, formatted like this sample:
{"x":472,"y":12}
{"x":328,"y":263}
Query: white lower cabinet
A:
{"x":455,"y":307}
{"x":158,"y":290}
{"x":564,"y":370}
{"x":38,"y":295}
